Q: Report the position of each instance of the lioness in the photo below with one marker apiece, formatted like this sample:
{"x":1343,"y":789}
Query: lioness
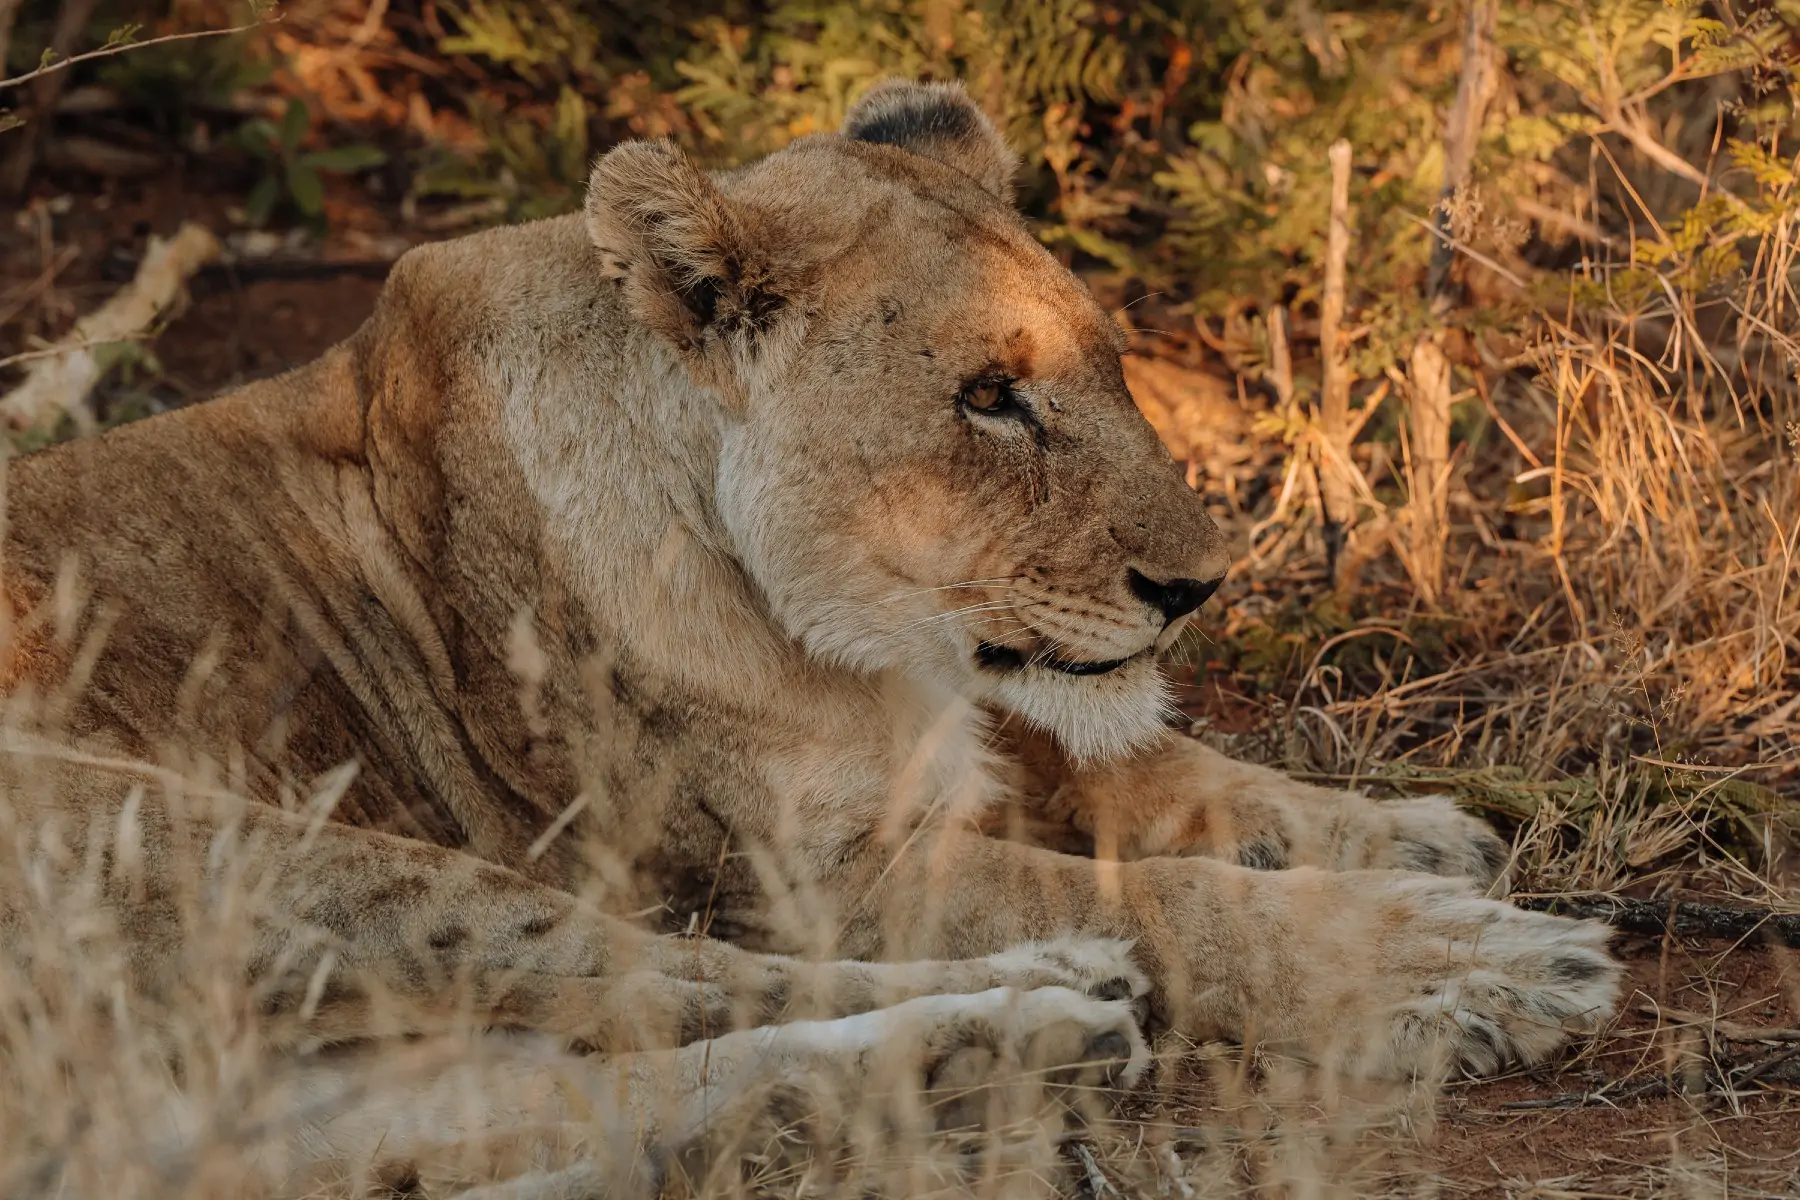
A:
{"x":757,"y":547}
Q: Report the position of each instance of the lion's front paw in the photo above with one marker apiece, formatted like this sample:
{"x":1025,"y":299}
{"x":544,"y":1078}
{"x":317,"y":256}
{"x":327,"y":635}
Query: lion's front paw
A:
{"x":1428,"y":834}
{"x":1444,"y":978}
{"x":1097,"y":967}
{"x":1061,"y":1034}
{"x":1003,"y":1061}
{"x":980,"y":1055}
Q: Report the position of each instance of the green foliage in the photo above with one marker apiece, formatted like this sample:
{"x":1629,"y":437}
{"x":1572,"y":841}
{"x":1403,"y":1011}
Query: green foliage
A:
{"x":292,"y":174}
{"x":556,"y":69}
{"x":175,"y":80}
{"x":540,"y":42}
{"x":536,"y":161}
{"x":799,"y":71}
{"x":1181,"y":145}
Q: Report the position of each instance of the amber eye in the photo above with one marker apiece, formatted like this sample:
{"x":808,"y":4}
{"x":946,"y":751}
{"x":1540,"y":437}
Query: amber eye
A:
{"x":991,"y":396}
{"x":985,"y":396}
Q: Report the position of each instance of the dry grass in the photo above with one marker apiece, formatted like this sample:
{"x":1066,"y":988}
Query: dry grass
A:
{"x":1616,"y":689}
{"x":1616,"y":663}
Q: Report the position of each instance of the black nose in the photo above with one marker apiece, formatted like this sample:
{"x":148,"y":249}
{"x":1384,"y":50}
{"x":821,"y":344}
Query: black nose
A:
{"x":1175,"y":597}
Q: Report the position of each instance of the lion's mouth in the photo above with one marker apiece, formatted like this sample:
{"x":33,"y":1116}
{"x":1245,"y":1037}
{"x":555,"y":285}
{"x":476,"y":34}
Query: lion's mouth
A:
{"x":1005,"y":658}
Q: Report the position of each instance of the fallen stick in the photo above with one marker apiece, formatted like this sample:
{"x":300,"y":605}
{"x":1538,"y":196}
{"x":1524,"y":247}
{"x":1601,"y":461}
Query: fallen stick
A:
{"x":59,"y":381}
{"x":1724,"y":1027}
{"x":1637,"y":1089}
{"x":1684,"y":918}
{"x":1098,"y":1184}
{"x":1716,"y":1077}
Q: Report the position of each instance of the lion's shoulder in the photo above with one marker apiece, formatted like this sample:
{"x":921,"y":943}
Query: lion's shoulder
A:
{"x":470,"y":293}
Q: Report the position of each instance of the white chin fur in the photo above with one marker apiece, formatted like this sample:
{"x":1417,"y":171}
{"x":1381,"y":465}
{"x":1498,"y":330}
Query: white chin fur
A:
{"x":1094,"y":717}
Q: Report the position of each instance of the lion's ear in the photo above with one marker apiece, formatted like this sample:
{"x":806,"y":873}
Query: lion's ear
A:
{"x":695,"y":267}
{"x":938,"y":121}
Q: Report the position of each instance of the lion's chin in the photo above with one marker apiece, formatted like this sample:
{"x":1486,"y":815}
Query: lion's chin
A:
{"x":1093,"y":717}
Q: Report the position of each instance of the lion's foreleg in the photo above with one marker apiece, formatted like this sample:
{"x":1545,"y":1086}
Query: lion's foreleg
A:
{"x":517,"y":1116}
{"x":1186,"y":798}
{"x":344,"y":933}
{"x":1385,"y":972}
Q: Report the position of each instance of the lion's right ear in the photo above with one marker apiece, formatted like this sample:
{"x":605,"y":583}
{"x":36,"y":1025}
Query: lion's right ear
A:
{"x":937,"y":121}
{"x":695,"y":267}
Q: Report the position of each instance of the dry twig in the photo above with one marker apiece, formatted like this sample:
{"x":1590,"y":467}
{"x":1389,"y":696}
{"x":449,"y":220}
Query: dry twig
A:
{"x":59,"y":381}
{"x":1683,"y":918}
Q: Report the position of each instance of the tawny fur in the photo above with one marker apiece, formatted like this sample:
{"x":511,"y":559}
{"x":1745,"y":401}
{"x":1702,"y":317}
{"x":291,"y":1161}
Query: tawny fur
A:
{"x":648,"y":555}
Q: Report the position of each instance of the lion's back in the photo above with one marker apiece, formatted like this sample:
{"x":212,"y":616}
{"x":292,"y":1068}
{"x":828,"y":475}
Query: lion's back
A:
{"x":234,"y":532}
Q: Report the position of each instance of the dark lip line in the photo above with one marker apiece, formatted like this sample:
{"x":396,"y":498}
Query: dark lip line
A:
{"x":1005,"y":658}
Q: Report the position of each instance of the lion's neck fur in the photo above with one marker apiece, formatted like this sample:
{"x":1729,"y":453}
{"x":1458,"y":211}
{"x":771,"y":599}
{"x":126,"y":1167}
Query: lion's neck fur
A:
{"x":620,"y":450}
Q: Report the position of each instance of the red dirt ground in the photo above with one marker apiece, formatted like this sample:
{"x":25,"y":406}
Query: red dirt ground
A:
{"x":1749,"y":1145}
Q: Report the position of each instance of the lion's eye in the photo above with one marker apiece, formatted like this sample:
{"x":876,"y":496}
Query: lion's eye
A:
{"x":985,"y":396}
{"x":993,"y":397}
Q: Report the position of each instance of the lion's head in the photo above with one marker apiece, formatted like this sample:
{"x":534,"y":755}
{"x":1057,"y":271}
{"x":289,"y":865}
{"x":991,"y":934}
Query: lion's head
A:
{"x":930,"y":460}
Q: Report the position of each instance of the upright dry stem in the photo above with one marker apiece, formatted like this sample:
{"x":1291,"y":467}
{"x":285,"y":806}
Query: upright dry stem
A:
{"x":1281,"y":358}
{"x":1463,"y":130}
{"x":1428,"y":405}
{"x":1335,"y":489}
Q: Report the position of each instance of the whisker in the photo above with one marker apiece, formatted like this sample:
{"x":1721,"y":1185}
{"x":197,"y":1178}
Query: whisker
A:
{"x":978,"y":606}
{"x":986,"y":606}
{"x":1139,"y":300}
{"x":996,"y":621}
{"x":1010,"y":581}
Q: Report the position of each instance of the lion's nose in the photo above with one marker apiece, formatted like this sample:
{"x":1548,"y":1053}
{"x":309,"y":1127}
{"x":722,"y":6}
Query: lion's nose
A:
{"x":1174,"y":597}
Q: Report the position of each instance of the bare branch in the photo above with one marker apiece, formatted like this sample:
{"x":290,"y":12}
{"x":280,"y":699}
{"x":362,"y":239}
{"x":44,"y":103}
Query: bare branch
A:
{"x":108,"y":51}
{"x":1633,"y":130}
